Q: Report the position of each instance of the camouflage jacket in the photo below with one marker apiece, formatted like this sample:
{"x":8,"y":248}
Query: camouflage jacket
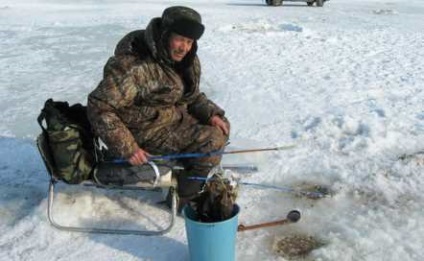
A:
{"x":144,"y":93}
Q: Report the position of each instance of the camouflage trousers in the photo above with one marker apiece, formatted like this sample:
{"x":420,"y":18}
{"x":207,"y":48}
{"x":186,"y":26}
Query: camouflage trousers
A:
{"x":189,"y":136}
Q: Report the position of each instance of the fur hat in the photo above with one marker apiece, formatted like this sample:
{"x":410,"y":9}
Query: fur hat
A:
{"x":183,"y":21}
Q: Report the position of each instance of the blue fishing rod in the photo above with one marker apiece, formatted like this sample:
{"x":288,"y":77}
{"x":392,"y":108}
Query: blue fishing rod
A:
{"x":206,"y":154}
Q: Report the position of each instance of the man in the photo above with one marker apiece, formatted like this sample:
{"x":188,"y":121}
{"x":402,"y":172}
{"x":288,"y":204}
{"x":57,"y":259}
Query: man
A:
{"x":149,"y":100}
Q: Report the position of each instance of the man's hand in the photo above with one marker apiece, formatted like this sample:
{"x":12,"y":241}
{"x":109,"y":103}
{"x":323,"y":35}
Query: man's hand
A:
{"x":218,"y":122}
{"x":139,"y":157}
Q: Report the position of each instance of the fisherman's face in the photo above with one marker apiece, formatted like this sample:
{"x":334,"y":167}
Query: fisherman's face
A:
{"x":179,"y":46}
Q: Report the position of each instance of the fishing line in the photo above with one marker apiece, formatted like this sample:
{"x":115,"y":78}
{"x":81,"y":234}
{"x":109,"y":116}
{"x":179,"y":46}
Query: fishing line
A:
{"x":309,"y":194}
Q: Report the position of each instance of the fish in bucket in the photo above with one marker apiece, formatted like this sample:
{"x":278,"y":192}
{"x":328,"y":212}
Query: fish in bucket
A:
{"x":211,"y":220}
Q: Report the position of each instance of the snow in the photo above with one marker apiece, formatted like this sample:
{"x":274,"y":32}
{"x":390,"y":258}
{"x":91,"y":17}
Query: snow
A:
{"x":343,"y":83}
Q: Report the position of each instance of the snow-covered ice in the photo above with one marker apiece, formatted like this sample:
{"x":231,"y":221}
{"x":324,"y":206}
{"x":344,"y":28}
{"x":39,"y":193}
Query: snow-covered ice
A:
{"x":344,"y":83}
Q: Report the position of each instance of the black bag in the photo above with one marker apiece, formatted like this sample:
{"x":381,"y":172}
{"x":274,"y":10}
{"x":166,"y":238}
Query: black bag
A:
{"x":69,"y":140}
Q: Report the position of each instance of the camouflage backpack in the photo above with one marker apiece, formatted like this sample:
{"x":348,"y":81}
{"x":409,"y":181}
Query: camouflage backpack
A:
{"x":69,"y":139}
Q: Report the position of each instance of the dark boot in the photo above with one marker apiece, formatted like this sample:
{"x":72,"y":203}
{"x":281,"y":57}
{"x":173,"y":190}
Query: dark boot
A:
{"x":181,"y":202}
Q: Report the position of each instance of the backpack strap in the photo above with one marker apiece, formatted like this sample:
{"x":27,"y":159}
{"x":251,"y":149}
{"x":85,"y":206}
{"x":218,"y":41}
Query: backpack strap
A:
{"x":43,"y":115}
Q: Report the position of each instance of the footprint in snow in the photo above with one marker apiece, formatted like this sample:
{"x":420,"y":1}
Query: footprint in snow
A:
{"x":416,"y":159}
{"x":263,"y":27}
{"x":384,"y":12}
{"x":291,"y":28}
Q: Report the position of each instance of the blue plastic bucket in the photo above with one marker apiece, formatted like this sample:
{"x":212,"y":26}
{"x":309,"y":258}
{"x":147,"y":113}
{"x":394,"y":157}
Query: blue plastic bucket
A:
{"x":215,"y":241}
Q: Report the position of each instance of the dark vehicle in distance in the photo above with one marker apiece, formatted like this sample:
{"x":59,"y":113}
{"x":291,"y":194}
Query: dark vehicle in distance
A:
{"x":318,"y":3}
